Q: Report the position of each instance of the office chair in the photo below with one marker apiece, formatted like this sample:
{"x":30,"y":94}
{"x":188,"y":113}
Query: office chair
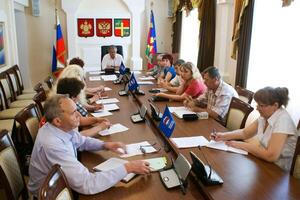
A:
{"x":295,"y":168}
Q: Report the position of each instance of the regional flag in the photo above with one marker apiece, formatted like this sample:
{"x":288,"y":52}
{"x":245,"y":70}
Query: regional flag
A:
{"x":167,"y":123}
{"x":151,"y":48}
{"x":122,"y":69}
{"x":132,"y":85}
{"x":122,"y":27}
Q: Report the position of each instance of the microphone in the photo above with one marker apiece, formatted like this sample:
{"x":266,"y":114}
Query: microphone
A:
{"x":199,"y":147}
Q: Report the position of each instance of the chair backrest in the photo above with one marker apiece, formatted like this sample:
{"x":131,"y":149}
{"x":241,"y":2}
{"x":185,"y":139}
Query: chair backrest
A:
{"x":39,"y":99}
{"x":11,"y":177}
{"x":49,"y":81}
{"x":19,"y":77}
{"x":28,"y":118}
{"x":55,"y":186}
{"x":104,"y":50}
{"x":244,"y":94}
{"x":6,"y":89}
{"x":295,"y":168}
{"x":15,"y":79}
{"x":238,"y":113}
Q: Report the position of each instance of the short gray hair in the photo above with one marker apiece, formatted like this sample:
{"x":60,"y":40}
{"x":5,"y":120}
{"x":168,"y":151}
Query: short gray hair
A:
{"x":52,"y":107}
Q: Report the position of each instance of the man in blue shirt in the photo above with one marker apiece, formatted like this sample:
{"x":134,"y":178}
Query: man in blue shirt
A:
{"x":58,"y":141}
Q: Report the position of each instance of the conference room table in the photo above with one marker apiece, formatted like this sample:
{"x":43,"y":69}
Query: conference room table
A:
{"x":244,"y":176}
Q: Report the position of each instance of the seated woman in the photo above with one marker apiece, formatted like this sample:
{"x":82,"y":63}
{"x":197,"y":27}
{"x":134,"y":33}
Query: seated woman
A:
{"x":275,"y":131}
{"x":168,"y":72}
{"x":192,"y":84}
{"x":75,"y":71}
{"x":174,"y":84}
{"x":73,"y":87}
{"x":88,"y":90}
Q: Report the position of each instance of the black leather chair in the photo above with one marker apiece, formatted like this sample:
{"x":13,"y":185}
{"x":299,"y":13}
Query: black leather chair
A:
{"x":104,"y":50}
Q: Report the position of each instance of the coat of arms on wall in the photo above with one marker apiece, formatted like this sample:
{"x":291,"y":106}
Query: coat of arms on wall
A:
{"x":104,"y":27}
{"x":122,"y":27}
{"x":85,"y":27}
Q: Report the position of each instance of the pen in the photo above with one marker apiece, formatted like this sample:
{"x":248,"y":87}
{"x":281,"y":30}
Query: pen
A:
{"x":213,"y":134}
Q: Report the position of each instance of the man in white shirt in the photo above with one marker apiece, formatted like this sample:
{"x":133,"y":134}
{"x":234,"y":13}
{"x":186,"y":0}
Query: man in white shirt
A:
{"x":57,"y":142}
{"x":112,"y":59}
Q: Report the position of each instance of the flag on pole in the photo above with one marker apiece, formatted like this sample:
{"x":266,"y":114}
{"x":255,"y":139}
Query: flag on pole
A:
{"x":151,"y":48}
{"x":132,"y":84}
{"x":59,"y":51}
{"x":167,"y":123}
{"x":122,"y":69}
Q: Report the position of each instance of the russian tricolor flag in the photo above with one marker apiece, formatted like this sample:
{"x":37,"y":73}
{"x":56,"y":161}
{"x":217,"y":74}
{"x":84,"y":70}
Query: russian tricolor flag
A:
{"x":58,"y":56}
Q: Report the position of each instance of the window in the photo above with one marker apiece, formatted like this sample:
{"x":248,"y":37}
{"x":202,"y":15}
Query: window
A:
{"x":275,"y":50}
{"x":190,"y":37}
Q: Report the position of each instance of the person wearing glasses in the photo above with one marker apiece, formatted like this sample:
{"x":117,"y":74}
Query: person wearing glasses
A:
{"x":57,"y":142}
{"x":216,"y":100}
{"x":274,"y":131}
{"x":112,"y":59}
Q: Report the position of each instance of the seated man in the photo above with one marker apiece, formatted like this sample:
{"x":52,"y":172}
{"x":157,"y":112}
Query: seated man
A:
{"x":156,"y":70}
{"x":112,"y":59}
{"x":58,"y":142}
{"x":216,"y":100}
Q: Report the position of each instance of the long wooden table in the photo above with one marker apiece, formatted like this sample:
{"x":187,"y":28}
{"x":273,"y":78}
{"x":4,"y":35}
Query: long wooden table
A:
{"x":245,"y":177}
{"x":143,"y":186}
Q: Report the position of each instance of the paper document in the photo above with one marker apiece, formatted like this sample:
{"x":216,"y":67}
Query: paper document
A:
{"x":109,"y":77}
{"x":115,"y":128}
{"x":157,"y":164}
{"x":95,"y":78}
{"x":222,"y":146}
{"x":180,"y":111}
{"x":113,"y":163}
{"x":186,"y":142}
{"x":95,"y":72}
{"x":107,"y":89}
{"x":107,"y":101}
{"x":101,"y":113}
{"x":136,"y":149}
{"x":146,"y":78}
{"x":110,"y":107}
{"x":145,"y":82}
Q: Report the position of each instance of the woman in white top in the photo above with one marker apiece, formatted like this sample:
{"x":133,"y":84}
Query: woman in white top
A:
{"x":275,"y":131}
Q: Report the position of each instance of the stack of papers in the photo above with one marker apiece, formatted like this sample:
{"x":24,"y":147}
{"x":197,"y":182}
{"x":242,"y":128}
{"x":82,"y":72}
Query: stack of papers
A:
{"x":95,"y":78}
{"x":187,"y":142}
{"x":180,"y":111}
{"x":147,"y":78}
{"x":113,"y":163}
{"x":109,"y":77}
{"x":157,"y":164}
{"x":222,"y":146}
{"x":107,"y":101}
{"x":135,"y":149}
{"x":101,"y":113}
{"x":115,"y":128}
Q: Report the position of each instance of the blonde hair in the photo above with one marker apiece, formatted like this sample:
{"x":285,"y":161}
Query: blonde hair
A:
{"x":72,"y":71}
{"x":195,"y":71}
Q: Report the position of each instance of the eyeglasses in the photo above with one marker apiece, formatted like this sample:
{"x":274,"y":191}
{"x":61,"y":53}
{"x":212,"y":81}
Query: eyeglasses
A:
{"x":144,"y":150}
